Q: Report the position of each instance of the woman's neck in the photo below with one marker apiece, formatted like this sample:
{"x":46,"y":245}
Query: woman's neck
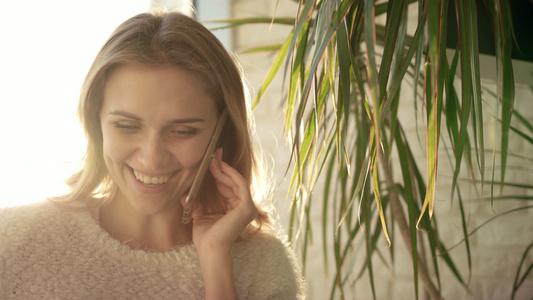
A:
{"x":161,"y":232}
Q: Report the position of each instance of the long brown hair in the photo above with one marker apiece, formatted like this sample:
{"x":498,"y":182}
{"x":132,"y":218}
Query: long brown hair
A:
{"x":164,"y":39}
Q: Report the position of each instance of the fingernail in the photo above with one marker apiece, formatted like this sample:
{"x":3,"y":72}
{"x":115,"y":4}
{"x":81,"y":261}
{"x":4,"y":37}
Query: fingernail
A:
{"x":219,"y":153}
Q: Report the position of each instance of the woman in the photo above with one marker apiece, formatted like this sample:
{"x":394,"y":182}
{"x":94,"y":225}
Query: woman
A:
{"x":149,"y":106}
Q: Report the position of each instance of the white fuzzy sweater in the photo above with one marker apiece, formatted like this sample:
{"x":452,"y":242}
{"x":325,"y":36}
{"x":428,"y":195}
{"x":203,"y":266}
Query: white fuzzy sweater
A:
{"x":47,"y":252}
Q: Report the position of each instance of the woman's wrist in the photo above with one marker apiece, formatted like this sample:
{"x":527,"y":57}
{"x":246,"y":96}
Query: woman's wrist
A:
{"x":217,"y":272}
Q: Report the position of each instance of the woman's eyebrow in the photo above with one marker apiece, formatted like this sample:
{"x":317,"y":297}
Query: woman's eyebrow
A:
{"x":125,"y":114}
{"x":136,"y":118}
{"x":190,"y":120}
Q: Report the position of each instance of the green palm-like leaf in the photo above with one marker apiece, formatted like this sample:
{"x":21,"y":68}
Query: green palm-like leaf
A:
{"x":343,"y":74}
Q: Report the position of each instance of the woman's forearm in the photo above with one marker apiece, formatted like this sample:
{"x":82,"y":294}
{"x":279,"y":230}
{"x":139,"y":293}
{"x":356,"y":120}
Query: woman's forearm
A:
{"x":217,"y":272}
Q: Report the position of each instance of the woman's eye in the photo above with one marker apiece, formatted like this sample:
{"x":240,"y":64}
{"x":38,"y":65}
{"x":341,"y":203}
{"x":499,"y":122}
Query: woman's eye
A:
{"x":184,"y":133}
{"x":126,"y":128}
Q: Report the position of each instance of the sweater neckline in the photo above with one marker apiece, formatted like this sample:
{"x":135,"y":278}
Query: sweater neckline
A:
{"x":92,"y":231}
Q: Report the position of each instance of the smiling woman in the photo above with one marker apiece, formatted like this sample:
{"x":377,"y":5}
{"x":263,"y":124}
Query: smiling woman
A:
{"x":156,"y":93}
{"x":154,"y":120}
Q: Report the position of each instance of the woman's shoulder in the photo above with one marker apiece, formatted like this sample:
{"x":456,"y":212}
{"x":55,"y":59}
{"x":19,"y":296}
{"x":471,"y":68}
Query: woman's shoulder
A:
{"x":275,"y":251}
{"x":24,"y":221}
{"x":272,"y":263}
{"x":22,"y":215}
{"x":269,"y":241}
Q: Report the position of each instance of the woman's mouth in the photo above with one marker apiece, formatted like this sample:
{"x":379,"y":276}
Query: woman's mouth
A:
{"x":151,"y":179}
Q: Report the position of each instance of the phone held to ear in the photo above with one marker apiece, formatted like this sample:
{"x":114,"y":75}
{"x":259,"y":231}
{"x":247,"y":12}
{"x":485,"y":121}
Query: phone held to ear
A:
{"x":209,"y":154}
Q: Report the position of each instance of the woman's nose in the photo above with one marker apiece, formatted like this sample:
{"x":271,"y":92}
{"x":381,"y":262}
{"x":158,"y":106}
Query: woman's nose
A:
{"x":154,"y":154}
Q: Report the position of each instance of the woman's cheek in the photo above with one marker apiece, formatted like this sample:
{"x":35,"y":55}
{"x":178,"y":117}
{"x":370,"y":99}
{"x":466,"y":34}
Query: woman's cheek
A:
{"x":116,"y":146}
{"x":191,"y":155}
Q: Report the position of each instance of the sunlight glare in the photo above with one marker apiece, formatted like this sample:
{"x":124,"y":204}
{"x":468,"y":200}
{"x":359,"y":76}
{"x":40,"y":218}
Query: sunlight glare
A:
{"x":47,"y":48}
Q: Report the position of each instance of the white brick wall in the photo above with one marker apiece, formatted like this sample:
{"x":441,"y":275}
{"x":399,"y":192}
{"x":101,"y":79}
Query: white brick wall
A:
{"x":496,"y":248}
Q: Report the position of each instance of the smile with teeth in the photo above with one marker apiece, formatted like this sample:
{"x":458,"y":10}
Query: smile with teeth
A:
{"x":151,"y":180}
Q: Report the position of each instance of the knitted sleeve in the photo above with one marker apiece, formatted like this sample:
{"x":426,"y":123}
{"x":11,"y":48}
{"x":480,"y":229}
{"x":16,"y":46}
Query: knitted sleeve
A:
{"x":278,"y":275}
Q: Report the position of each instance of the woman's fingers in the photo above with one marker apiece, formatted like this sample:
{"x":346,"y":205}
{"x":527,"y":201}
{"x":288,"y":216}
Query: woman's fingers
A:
{"x":232,"y":186}
{"x":230,"y":182}
{"x":223,"y":181}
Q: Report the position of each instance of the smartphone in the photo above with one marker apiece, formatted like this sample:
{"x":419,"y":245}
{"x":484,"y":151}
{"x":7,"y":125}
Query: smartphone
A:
{"x":191,"y":197}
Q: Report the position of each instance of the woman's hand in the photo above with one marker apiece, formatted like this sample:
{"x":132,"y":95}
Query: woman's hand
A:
{"x":219,"y":232}
{"x":215,"y":234}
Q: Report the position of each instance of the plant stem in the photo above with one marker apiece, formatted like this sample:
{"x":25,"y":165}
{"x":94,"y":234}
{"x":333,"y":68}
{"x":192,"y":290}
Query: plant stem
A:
{"x":400,"y":219}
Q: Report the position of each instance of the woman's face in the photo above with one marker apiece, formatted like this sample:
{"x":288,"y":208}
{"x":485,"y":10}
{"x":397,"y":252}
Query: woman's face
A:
{"x":156,"y":124}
